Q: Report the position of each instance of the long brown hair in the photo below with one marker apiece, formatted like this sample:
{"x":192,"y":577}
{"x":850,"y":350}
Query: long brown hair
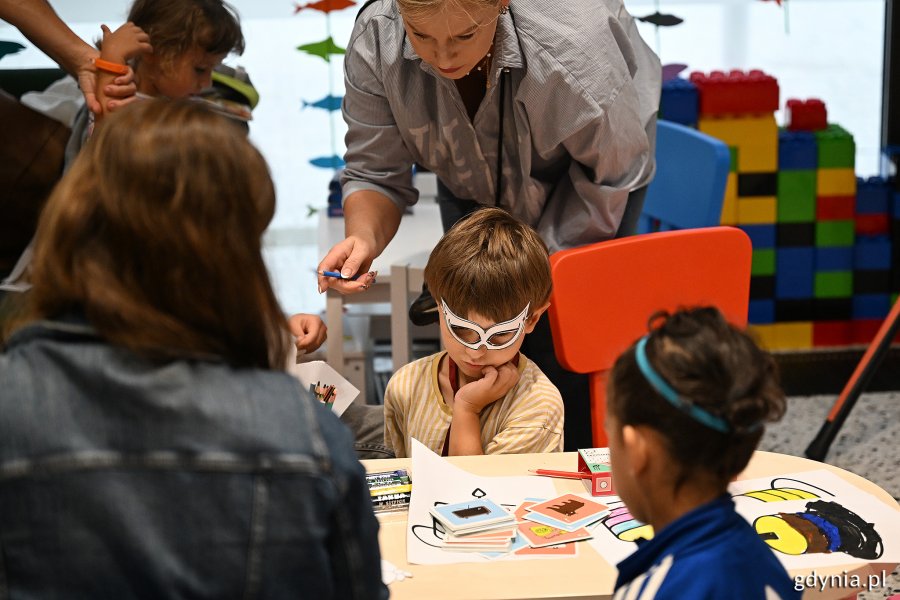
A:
{"x":155,"y":235}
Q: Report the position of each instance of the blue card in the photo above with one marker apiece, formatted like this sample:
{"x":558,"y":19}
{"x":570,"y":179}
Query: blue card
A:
{"x":472,"y":513}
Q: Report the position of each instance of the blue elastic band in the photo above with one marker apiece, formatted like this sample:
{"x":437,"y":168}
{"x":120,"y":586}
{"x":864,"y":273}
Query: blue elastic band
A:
{"x":665,"y":390}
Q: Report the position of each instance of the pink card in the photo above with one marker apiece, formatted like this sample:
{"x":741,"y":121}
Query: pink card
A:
{"x":539,"y":535}
{"x":561,"y":550}
{"x":570,"y":509}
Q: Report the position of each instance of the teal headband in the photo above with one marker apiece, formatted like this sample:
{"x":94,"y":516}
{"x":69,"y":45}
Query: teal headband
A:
{"x":665,"y":390}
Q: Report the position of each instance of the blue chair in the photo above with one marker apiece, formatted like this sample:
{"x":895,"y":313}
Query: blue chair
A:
{"x":689,"y":187}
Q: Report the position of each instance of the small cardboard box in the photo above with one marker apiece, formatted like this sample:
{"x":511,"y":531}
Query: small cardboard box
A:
{"x":595,"y":461}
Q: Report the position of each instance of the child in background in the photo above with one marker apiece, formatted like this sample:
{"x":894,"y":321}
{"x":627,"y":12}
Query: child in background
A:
{"x":686,"y":409}
{"x":151,"y":443}
{"x":490,"y":275}
{"x":188,"y":37}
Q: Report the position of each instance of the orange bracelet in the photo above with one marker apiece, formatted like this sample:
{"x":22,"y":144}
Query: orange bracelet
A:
{"x":110,"y":67}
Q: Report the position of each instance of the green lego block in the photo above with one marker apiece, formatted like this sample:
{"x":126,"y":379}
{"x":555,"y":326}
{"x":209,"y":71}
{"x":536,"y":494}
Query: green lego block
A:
{"x":836,"y":148}
{"x":796,"y":196}
{"x":733,"y":152}
{"x":833,"y":284}
{"x":835,"y":233}
{"x":763,"y":262}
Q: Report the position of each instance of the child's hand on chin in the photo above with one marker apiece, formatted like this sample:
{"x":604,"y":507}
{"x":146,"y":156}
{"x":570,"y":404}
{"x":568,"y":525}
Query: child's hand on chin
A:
{"x":493,"y":385}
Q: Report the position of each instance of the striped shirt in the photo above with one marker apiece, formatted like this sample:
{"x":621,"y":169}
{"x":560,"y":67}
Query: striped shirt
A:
{"x":581,"y":94}
{"x":529,"y":418}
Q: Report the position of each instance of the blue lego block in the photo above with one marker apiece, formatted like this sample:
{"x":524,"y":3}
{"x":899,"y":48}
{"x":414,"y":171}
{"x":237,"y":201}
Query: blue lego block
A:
{"x":762,"y":312}
{"x":797,"y":150}
{"x":895,"y":206}
{"x":680,"y":102}
{"x":872,"y":252}
{"x":871,"y":306}
{"x":761,"y":236}
{"x":873,"y":196}
{"x":794,"y":272}
{"x":834,"y":258}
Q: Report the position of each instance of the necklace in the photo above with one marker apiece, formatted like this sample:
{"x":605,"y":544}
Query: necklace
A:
{"x":484,"y":65}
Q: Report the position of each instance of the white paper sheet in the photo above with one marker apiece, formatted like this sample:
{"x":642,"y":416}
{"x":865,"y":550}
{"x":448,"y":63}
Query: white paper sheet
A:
{"x":436,"y":481}
{"x":319,"y":371}
{"x":823,"y":485}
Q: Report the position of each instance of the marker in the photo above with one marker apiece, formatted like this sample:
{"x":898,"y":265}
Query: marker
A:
{"x":337,"y":275}
{"x":563,"y":474}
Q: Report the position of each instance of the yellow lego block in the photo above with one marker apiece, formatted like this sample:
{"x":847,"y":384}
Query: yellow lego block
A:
{"x":729,"y":205}
{"x":835,"y":182}
{"x":765,"y":335}
{"x":794,"y":335}
{"x":756,"y":139}
{"x":761,"y":210}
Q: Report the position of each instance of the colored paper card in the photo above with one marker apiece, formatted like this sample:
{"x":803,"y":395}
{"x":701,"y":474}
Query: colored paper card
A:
{"x":570,"y":511}
{"x":437,"y":481}
{"x":477,"y":513}
{"x":540,"y":535}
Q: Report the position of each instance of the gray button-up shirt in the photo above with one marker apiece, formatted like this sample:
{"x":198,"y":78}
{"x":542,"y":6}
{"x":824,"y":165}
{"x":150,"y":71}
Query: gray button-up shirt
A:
{"x":581,"y":91}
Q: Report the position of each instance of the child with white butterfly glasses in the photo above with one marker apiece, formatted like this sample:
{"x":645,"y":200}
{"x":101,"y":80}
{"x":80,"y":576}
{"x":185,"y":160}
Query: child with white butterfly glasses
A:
{"x":491,"y":276}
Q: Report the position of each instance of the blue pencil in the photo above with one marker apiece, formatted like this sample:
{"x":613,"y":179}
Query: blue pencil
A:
{"x":337,"y":275}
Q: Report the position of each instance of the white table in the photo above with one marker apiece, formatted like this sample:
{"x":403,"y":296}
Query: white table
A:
{"x":587,"y":575}
{"x":417,"y":235}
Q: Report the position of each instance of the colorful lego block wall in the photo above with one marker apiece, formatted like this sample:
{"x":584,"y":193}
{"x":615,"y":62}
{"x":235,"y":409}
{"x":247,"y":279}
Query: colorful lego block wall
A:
{"x":826,"y":244}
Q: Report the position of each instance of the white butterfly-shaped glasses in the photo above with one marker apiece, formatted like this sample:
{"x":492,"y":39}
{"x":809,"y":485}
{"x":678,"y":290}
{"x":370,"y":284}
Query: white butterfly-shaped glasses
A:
{"x":497,"y":337}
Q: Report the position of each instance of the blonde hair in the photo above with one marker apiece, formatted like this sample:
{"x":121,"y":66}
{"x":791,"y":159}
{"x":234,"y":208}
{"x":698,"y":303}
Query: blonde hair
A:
{"x":176,"y":27}
{"x":415,"y":9}
{"x":154,"y":235}
{"x":491,"y":264}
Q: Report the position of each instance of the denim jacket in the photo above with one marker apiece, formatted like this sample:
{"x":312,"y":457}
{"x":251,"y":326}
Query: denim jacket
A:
{"x":124,"y":478}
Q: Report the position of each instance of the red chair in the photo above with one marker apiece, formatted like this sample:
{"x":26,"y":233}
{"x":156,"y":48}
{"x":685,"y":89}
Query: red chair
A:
{"x":604,"y":294}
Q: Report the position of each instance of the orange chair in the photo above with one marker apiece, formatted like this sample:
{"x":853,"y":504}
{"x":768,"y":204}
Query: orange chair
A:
{"x":604,"y":294}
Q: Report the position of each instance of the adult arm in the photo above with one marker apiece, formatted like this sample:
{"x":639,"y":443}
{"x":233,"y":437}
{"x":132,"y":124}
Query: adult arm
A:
{"x":371,"y":220}
{"x":37,"y":20}
{"x":377,"y":180}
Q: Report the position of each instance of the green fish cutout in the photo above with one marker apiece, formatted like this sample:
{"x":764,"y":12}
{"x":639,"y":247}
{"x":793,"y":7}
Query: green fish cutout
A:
{"x":10,"y":48}
{"x":325,"y":49}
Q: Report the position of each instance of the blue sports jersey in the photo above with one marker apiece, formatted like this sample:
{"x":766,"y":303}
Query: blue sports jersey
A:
{"x":709,"y":553}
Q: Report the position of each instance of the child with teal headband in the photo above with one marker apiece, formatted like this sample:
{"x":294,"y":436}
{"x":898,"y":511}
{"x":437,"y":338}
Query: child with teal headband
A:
{"x":686,"y":409}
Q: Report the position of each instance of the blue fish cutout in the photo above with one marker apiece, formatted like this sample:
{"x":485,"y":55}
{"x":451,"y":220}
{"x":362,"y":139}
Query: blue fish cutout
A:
{"x":661,"y":19}
{"x":10,"y":48}
{"x":328,"y":103}
{"x":328,"y":162}
{"x":325,"y":48}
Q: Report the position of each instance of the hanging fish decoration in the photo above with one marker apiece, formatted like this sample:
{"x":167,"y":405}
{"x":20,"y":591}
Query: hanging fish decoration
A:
{"x":328,"y":162}
{"x":328,"y":103}
{"x":661,"y":20}
{"x":324,"y":49}
{"x":10,"y":48}
{"x":778,"y":2}
{"x":325,"y":6}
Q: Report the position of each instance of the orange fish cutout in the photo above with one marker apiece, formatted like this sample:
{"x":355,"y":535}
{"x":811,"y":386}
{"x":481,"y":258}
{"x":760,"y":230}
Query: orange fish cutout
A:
{"x":326,"y":6}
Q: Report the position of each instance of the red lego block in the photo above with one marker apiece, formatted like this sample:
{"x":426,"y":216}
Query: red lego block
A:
{"x":873,"y":225}
{"x":736,"y":92}
{"x":863,"y":331}
{"x":835,"y":208}
{"x":832,"y":333}
{"x":806,"y":115}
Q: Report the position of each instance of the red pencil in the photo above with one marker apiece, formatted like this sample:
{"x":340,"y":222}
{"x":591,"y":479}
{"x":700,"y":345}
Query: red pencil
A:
{"x":563,"y":474}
